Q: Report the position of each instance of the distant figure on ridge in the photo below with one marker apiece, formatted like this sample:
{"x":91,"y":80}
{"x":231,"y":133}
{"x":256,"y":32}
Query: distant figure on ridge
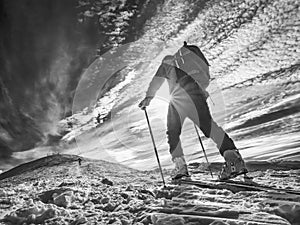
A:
{"x":79,"y":161}
{"x":98,"y":118}
{"x":187,"y":73}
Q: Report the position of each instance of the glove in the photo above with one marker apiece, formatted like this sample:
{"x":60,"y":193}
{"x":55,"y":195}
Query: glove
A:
{"x":146,"y":101}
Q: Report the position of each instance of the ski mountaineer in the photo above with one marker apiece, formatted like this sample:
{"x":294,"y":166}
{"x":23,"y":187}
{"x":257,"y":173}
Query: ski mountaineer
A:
{"x":188,"y":100}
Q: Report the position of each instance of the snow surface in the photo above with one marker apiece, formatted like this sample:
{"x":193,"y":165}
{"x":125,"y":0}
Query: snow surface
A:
{"x":57,"y":190}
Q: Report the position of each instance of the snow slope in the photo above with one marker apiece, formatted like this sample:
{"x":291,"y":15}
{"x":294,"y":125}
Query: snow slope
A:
{"x":57,"y":190}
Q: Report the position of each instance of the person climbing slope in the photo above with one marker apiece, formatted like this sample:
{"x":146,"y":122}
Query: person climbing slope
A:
{"x":187,"y":73}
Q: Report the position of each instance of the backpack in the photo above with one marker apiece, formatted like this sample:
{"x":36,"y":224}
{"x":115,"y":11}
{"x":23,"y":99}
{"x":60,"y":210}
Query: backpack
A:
{"x":191,"y":60}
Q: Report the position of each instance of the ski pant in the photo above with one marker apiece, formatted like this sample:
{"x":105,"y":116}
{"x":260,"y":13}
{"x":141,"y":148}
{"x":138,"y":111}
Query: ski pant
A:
{"x":190,"y":102}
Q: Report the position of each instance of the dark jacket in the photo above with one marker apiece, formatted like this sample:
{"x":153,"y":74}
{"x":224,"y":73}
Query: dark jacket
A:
{"x":174,"y":76}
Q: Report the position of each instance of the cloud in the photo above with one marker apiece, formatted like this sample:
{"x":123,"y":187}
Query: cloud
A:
{"x":43,"y":50}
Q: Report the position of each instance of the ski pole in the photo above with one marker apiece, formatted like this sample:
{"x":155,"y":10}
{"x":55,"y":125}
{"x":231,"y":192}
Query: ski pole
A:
{"x":203,"y":150}
{"x":155,"y":149}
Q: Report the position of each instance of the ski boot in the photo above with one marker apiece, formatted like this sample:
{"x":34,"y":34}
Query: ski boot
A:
{"x":181,"y":170}
{"x":234,"y":165}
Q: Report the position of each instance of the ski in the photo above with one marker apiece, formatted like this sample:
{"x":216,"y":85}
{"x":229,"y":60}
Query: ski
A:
{"x":259,"y":186}
{"x":234,"y":186}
